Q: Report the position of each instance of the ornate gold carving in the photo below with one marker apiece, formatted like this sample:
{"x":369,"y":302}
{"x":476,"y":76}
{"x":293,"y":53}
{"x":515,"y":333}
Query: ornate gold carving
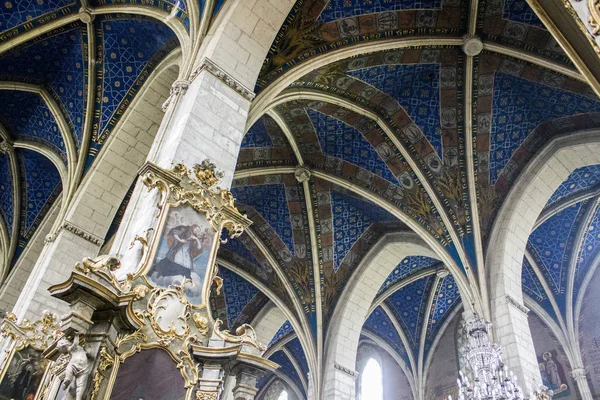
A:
{"x":171,"y":306}
{"x":103,"y":267}
{"x":38,"y":334}
{"x":201,"y":323}
{"x":105,"y":361}
{"x":244,"y":334}
{"x":197,"y":188}
{"x":217,"y":280}
{"x":202,"y":395}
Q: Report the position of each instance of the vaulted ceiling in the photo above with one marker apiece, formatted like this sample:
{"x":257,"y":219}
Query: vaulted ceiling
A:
{"x":400,"y":129}
{"x":68,"y":72}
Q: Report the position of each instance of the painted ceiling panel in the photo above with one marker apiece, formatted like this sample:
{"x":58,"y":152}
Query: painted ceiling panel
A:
{"x":381,"y":325}
{"x":297,"y":352}
{"x":409,"y":306}
{"x":6,"y":192}
{"x":519,"y":105}
{"x":445,"y":299}
{"x":271,"y":202}
{"x":351,"y":218}
{"x":282,"y":332}
{"x":407,"y":267}
{"x":520,"y":11}
{"x":343,"y":141}
{"x":578,"y":181}
{"x":417,"y":88}
{"x":337,"y":9}
{"x":589,"y":248}
{"x":257,"y":135}
{"x":238,"y":293}
{"x":16,"y":12}
{"x":237,"y":247}
{"x":531,"y":284}
{"x":57,"y":62}
{"x":42,"y":184}
{"x":128,"y":46}
{"x":548,"y":244}
{"x":27,"y":117}
{"x":286,"y":367}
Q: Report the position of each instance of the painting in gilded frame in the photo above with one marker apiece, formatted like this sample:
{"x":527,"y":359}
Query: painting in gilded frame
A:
{"x":184,"y":252}
{"x":23,"y":375}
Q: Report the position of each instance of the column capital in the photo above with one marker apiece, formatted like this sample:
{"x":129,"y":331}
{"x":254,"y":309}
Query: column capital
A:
{"x":210,"y":66}
{"x":179,"y":87}
{"x":578,"y":373}
{"x":516,"y":304}
{"x":6,"y":147}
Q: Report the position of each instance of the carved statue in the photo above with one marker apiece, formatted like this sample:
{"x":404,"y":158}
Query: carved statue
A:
{"x":78,"y":369}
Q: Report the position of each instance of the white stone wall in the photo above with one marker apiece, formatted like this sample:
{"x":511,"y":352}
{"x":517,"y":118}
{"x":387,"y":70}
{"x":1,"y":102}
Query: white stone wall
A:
{"x":509,"y":237}
{"x":443,"y":369}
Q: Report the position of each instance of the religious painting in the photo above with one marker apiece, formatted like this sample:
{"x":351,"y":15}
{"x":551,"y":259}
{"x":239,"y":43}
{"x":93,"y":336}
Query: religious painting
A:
{"x":183,"y":252}
{"x":149,"y":375}
{"x":23,"y":375}
{"x":553,"y":374}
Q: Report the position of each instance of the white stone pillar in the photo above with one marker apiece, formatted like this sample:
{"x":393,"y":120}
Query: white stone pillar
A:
{"x":205,"y":119}
{"x":511,"y":331}
{"x":579,"y":376}
{"x":340,"y":383}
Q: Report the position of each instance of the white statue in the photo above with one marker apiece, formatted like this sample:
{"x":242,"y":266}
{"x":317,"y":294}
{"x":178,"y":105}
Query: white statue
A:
{"x":78,"y":369}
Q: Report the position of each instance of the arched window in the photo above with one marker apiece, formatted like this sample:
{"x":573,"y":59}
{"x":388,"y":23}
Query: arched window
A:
{"x":283,"y":395}
{"x":371,"y":381}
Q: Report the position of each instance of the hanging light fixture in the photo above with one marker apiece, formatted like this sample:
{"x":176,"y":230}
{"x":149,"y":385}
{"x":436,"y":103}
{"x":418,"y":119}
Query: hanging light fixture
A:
{"x":491,"y":379}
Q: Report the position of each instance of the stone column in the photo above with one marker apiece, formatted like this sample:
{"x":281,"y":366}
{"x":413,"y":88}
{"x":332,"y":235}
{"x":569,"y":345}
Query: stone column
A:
{"x":205,"y":119}
{"x":340,"y":383}
{"x":579,"y":376}
{"x":245,"y":382}
{"x":511,"y":331}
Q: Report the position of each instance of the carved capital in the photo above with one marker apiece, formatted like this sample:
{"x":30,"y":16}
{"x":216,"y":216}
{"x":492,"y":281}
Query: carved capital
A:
{"x":50,"y":238}
{"x":345,"y":370}
{"x":178,"y":88}
{"x":513,"y":302}
{"x":77,"y":231}
{"x":220,"y":74}
{"x":302,"y":174}
{"x":578,"y":373}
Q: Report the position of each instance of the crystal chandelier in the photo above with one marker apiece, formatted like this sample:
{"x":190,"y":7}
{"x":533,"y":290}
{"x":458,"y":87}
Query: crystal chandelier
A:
{"x":491,"y":378}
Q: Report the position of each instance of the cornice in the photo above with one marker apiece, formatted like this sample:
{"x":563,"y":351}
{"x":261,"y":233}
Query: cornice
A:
{"x":210,"y":66}
{"x":77,"y":231}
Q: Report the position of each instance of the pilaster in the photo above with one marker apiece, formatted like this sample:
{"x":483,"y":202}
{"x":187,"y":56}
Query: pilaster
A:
{"x":511,"y":331}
